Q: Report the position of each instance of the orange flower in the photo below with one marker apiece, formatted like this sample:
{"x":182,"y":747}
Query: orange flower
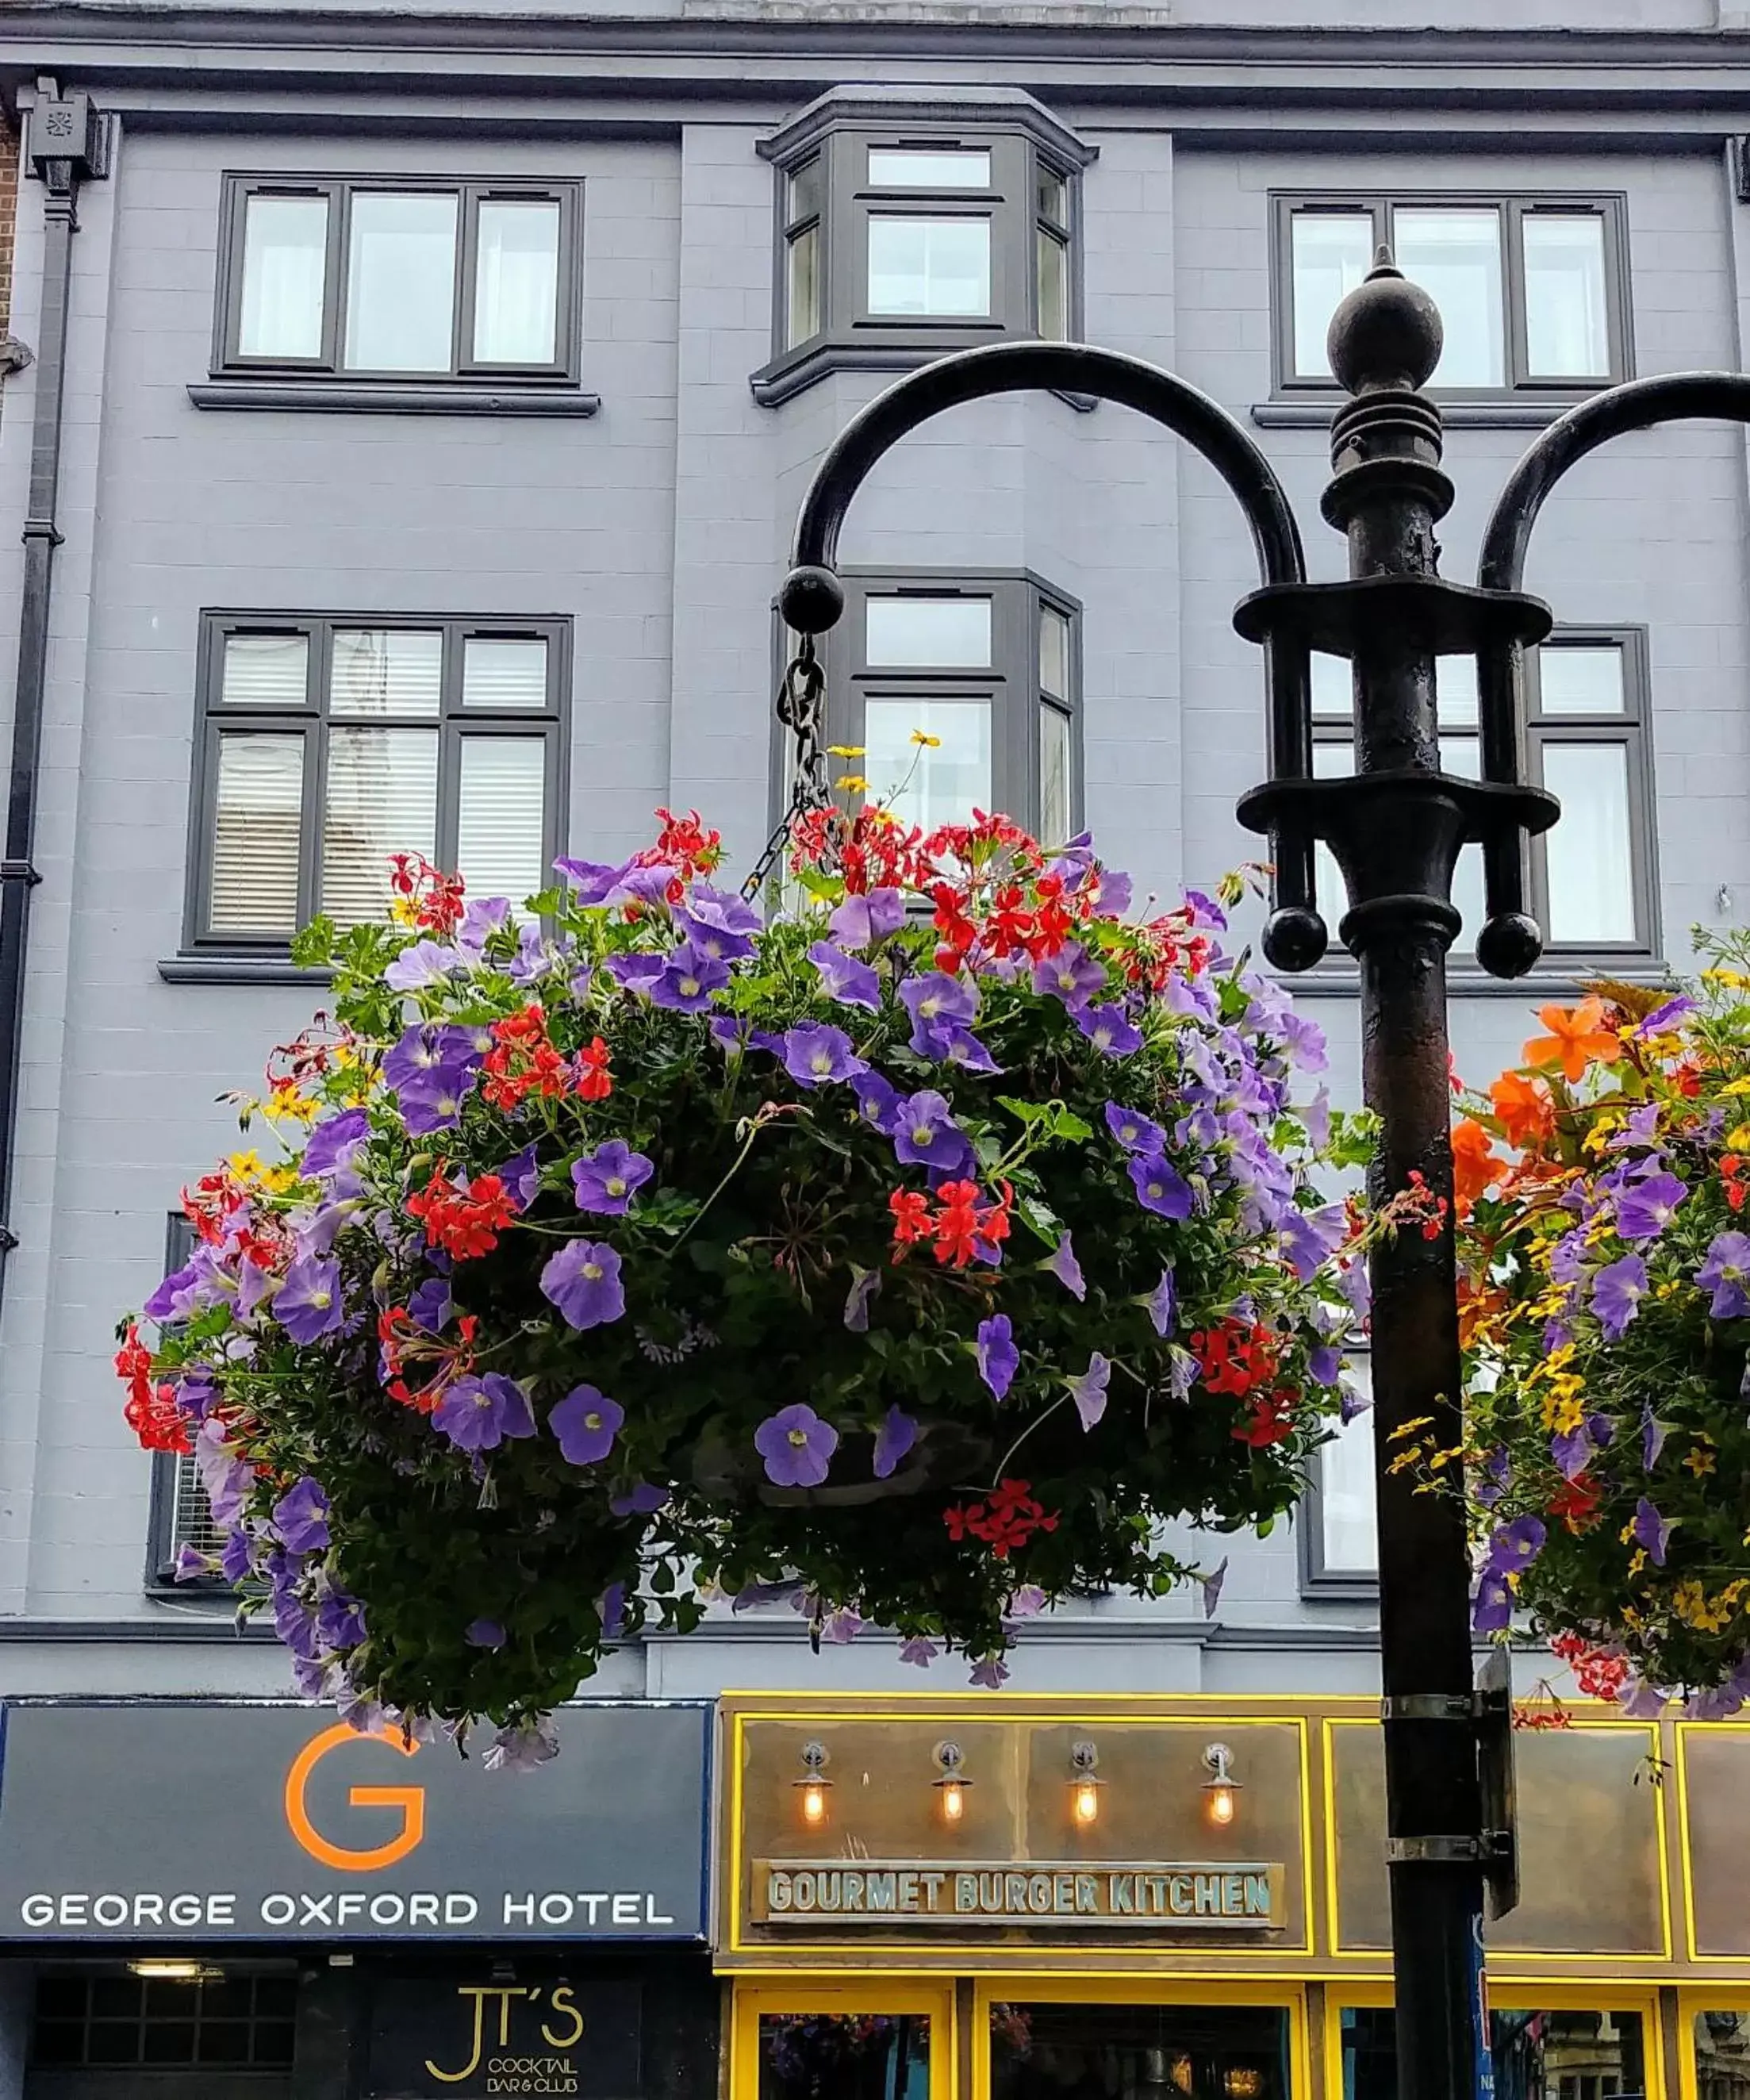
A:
{"x":1577,"y":1038}
{"x":1475,"y":1162}
{"x":1527,"y":1113}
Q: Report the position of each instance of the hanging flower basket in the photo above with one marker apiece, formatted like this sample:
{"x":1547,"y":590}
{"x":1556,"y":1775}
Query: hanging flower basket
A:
{"x":923,"y":1250}
{"x":1607,"y":1311}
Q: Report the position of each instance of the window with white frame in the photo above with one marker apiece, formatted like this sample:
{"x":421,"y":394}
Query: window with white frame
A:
{"x":900,"y":240}
{"x":330,"y":742}
{"x":1594,"y":878}
{"x":399,"y":279}
{"x":1533,"y":290}
{"x":959,"y":694}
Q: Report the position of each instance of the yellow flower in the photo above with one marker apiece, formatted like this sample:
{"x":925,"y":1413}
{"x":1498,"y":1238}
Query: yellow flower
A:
{"x":245,"y":1165}
{"x":404,"y":911}
{"x":277,"y":1180}
{"x":1734,"y":980}
{"x":1739,"y":1140}
{"x":923,"y":737}
{"x":851,"y":783}
{"x":846,"y":750}
{"x":1700,"y":1461}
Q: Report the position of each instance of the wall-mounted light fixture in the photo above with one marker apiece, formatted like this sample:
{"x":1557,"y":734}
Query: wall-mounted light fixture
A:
{"x":950,"y":1789}
{"x":1242,"y":2081}
{"x":813,"y":1783}
{"x":1084,"y":1786}
{"x":164,"y":1969}
{"x":1220,"y":1788}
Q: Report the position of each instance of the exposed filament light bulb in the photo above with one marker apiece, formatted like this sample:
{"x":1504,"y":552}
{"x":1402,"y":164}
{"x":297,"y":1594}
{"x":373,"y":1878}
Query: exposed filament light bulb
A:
{"x":1084,"y":1788}
{"x":1087,"y":1803}
{"x":1220,"y":1790}
{"x":813,"y":1800}
{"x":950,"y":1789}
{"x":813,"y":1785}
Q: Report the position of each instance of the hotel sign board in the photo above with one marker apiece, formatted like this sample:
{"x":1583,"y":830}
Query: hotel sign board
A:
{"x":1147,"y":1894}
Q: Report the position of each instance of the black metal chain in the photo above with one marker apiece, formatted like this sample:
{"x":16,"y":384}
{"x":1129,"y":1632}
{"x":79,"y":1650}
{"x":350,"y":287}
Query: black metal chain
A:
{"x":801,"y":708}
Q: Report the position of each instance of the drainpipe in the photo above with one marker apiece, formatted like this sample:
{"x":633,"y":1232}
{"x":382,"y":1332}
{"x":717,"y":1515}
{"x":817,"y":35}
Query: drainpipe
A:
{"x":68,"y":143}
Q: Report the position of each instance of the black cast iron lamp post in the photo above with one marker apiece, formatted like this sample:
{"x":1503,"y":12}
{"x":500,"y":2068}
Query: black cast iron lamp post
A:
{"x":1396,"y":828}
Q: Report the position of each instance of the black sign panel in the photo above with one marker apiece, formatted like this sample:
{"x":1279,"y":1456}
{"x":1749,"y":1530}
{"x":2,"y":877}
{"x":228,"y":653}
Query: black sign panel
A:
{"x":296,"y":1828}
{"x":476,"y":2039}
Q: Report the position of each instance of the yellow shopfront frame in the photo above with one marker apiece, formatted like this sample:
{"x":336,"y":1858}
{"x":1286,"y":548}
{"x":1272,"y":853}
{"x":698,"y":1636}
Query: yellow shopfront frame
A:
{"x":934,"y":1997}
{"x":1692,"y":2002}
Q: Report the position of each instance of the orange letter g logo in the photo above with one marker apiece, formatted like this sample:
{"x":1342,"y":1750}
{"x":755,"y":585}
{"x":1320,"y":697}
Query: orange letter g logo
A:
{"x":410,"y":1800}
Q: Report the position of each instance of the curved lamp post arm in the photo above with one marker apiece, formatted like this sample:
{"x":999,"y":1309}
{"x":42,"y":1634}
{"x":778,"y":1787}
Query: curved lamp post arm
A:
{"x":1673,"y":397}
{"x":812,"y":598}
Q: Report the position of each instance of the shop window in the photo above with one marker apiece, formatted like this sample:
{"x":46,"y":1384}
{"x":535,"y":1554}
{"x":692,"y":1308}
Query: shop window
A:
{"x":328,"y":743}
{"x":1538,"y":2055}
{"x":844,"y":2056}
{"x":1338,"y":1522}
{"x":180,"y":1514}
{"x":884,"y":2041}
{"x":960,"y":692}
{"x":1723,"y":2056}
{"x":391,"y":279}
{"x":161,"y":2015}
{"x":1593,"y":887}
{"x":901,"y":237}
{"x":1533,"y":290}
{"x":1053,"y":2051}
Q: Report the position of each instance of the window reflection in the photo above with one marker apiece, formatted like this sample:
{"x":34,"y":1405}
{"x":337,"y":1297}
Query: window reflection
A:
{"x":1723,"y":2056}
{"x":844,"y":2056}
{"x":1538,"y":2055}
{"x":1101,"y":2052}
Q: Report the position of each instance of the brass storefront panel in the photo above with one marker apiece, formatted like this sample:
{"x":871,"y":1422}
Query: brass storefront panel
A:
{"x":1592,"y":1872}
{"x":886,"y":1866}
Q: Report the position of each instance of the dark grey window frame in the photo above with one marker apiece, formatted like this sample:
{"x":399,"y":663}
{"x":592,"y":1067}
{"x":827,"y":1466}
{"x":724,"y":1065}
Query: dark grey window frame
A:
{"x":1632,"y":728}
{"x":1320,"y":1580}
{"x":166,"y":2005}
{"x":312,"y":721}
{"x":466,"y":371}
{"x":1611,"y":207}
{"x":1021,"y":140}
{"x":173,"y":1477}
{"x":1011,"y":684}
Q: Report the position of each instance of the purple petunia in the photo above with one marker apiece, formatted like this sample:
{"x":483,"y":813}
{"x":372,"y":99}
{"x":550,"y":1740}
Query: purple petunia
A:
{"x":1163,"y":1303}
{"x":895,"y":1438}
{"x":1513,"y":1547}
{"x":1573,"y":1451}
{"x":1071,"y":975}
{"x":300,"y":1517}
{"x":1212,"y":1586}
{"x":583,"y":1280}
{"x":1134,"y":1130}
{"x":865,"y":1284}
{"x":1160,"y":1188}
{"x":1310,"y":1237}
{"x":522,"y":1746}
{"x":307,"y":1304}
{"x":1617,"y":1290}
{"x":1726,"y":1273}
{"x":817,"y":1056}
{"x":861,"y":921}
{"x":1491,"y":1610}
{"x":478,"y":1413}
{"x":425,"y":1050}
{"x":425,"y":963}
{"x":796,"y":1446}
{"x":331,"y":1144}
{"x":431,"y":1307}
{"x":689,"y":981}
{"x":718,"y":923}
{"x":1646,"y":1209}
{"x":955,"y":1044}
{"x":1108,"y":1029}
{"x":591,"y":881}
{"x":643,"y":1498}
{"x":586,"y":1423}
{"x":484,"y":1633}
{"x":926,"y":1135}
{"x":999,"y":1359}
{"x":919,"y":1651}
{"x":1653,"y":1435}
{"x":878,"y":1101}
{"x":991,"y":1673}
{"x":849,"y":982}
{"x":1089,"y":1391}
{"x":606,"y":1180}
{"x":1062,"y":1264}
{"x":935,"y":1003}
{"x":1651,"y":1531}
